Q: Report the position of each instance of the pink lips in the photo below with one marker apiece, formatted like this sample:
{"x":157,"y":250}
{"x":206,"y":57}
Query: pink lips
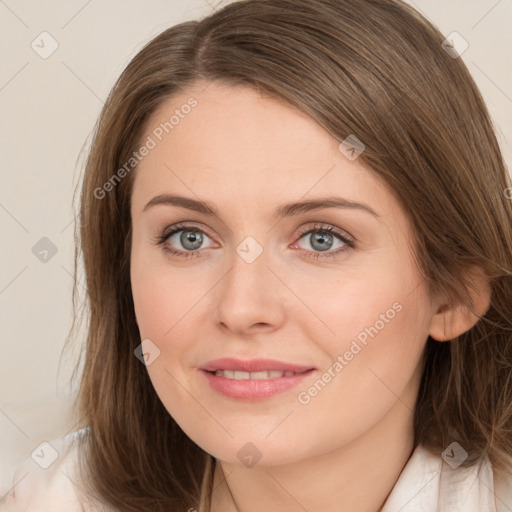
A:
{"x":253,"y":365}
{"x":253,"y":389}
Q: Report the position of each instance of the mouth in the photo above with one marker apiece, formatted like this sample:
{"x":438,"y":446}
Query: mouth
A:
{"x":253,"y":380}
{"x":253,"y":366}
{"x":263,"y":375}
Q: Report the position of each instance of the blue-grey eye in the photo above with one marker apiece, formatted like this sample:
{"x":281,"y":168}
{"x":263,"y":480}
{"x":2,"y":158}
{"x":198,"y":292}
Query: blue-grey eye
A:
{"x":321,"y":241}
{"x":191,"y":240}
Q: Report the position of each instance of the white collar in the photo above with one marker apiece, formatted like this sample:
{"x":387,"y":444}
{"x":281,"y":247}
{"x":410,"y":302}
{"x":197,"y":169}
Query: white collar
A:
{"x":427,"y":484}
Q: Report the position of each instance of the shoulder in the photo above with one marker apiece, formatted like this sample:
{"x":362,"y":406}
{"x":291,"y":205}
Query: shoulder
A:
{"x":438,"y":482}
{"x":503,"y":490}
{"x":49,"y":479}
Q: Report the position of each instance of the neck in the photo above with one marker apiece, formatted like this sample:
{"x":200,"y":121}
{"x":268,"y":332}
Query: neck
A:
{"x":357,"y":476}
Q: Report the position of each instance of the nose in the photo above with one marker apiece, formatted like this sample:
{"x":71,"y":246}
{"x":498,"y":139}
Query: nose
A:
{"x":250,"y":297}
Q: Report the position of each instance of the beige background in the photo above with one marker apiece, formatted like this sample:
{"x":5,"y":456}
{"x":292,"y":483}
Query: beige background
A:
{"x":49,"y":107}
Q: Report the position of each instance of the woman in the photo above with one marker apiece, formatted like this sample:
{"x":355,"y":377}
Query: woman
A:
{"x":296,"y":232}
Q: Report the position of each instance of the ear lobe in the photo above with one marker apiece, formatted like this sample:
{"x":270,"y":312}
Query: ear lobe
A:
{"x":450,"y":322}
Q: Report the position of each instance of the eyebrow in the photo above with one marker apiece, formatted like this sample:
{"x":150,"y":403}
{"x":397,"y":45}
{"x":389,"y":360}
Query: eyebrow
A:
{"x":286,"y":210}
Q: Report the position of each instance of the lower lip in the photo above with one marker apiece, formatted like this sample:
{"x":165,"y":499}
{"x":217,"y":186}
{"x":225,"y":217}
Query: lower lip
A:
{"x":257,"y":389}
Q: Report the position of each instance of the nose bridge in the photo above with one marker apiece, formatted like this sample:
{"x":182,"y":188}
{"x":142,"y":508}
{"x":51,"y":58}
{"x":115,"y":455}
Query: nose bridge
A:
{"x":250,"y":250}
{"x":249,"y":293}
{"x":249,"y":267}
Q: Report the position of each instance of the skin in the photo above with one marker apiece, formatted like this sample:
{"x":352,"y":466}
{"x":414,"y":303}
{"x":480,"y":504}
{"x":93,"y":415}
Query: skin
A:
{"x":248,"y":154}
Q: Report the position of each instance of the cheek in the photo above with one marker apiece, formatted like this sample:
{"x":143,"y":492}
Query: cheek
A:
{"x":169,"y":304}
{"x":154,"y":305}
{"x":378,"y":324}
{"x":375,"y":300}
{"x":374,"y":357}
{"x":163,"y":301}
{"x":162,"y":295}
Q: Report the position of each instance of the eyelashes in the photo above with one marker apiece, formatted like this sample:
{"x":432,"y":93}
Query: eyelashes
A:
{"x":331,"y":232}
{"x":327,"y":231}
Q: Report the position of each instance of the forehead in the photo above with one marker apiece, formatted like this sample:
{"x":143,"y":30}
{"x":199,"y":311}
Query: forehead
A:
{"x":232,"y":124}
{"x":236,"y":146}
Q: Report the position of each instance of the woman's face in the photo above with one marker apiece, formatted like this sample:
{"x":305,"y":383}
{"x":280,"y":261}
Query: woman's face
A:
{"x":348,"y":305}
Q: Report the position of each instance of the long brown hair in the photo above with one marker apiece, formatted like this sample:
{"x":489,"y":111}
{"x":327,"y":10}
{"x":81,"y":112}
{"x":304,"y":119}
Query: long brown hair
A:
{"x":375,"y":69}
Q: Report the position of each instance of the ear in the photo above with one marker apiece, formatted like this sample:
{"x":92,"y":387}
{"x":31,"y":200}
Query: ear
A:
{"x":449,"y":322}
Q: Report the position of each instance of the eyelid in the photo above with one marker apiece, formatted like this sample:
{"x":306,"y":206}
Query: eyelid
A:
{"x":349,"y":241}
{"x":326,"y":227}
{"x":185,"y":226}
{"x":302,"y":230}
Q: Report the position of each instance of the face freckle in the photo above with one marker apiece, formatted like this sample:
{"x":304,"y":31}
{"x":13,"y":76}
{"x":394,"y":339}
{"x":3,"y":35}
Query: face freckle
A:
{"x":252,"y":289}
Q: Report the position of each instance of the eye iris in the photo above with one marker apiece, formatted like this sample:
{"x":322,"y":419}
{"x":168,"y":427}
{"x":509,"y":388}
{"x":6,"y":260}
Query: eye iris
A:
{"x":194,"y":237}
{"x":323,"y":238}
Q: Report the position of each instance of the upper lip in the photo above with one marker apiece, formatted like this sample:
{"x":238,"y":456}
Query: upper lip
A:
{"x":253,"y":365}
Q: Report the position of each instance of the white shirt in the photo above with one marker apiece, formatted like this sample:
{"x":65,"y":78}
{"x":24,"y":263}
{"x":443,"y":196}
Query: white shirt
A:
{"x":48,"y":482}
{"x":426,"y":484}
